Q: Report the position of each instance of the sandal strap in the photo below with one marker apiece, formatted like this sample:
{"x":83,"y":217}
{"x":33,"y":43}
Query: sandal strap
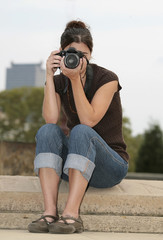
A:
{"x":64,"y":219}
{"x":55,"y":218}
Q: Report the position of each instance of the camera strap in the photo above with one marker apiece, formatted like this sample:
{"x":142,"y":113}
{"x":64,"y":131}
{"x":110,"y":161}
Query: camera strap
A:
{"x":88,"y":83}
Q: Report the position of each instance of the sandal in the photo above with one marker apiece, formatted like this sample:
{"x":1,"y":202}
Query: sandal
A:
{"x":66,"y":227}
{"x":38,"y":226}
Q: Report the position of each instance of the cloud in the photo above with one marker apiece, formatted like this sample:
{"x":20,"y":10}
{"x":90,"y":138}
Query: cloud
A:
{"x":160,"y":60}
{"x":134,"y":7}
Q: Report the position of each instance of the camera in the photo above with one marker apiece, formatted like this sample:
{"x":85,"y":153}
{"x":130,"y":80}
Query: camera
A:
{"x":71,"y":57}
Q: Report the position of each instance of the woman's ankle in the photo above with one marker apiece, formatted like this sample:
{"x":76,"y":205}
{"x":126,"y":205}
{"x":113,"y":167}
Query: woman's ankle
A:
{"x":52,"y":212}
{"x":70,"y":214}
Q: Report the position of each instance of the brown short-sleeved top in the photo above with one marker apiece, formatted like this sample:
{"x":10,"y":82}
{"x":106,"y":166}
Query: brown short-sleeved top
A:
{"x":110,"y":126}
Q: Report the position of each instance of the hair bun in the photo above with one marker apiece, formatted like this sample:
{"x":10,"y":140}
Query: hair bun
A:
{"x":76,"y":24}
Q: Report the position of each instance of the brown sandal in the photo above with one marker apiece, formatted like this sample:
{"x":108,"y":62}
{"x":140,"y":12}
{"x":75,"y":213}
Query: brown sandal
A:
{"x":38,"y":226}
{"x":66,"y":227}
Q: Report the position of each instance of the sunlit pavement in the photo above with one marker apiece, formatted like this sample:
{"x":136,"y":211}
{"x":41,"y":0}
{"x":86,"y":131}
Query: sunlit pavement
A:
{"x":25,"y":235}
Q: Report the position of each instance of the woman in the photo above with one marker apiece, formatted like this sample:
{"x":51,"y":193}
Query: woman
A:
{"x":94,"y":154}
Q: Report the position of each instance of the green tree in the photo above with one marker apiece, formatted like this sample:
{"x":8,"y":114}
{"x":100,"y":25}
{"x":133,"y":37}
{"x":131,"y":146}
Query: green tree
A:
{"x":20,"y":113}
{"x":133,"y":143}
{"x":150,"y":155}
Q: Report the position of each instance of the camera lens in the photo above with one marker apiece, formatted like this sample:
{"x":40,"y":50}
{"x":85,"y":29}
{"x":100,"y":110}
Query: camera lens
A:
{"x":71,"y":60}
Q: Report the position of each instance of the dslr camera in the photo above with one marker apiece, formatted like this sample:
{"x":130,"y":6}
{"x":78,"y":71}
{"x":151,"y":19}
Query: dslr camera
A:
{"x":71,"y":57}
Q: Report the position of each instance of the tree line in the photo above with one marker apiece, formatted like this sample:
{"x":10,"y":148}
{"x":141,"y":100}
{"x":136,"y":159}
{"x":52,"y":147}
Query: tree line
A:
{"x":21,"y":117}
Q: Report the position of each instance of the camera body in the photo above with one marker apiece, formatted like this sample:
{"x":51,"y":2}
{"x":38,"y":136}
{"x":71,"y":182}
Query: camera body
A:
{"x":71,"y":57}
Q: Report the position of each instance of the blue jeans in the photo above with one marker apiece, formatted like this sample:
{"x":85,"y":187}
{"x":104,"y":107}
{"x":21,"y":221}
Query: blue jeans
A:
{"x":83,"y":150}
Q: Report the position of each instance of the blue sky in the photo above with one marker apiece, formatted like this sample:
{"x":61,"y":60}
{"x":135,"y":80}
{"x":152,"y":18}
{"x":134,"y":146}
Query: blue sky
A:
{"x":128,"y":39}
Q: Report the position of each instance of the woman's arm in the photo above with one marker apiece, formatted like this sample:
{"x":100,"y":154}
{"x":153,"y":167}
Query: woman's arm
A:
{"x":51,"y":102}
{"x":91,"y":113}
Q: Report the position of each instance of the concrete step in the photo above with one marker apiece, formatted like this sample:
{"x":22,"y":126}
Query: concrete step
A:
{"x":131,"y":206}
{"x":98,"y":223}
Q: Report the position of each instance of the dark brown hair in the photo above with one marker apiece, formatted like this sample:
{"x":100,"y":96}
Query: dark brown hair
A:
{"x":76,"y":31}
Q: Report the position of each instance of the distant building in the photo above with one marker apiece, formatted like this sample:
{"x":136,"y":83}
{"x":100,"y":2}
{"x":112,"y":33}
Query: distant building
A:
{"x":25,"y":75}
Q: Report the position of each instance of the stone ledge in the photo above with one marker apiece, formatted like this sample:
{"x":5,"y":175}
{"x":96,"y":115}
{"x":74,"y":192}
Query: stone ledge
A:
{"x":131,"y":206}
{"x":92,"y":204}
{"x":130,"y":197}
{"x":126,"y":187}
{"x":145,"y":176}
{"x":101,"y":223}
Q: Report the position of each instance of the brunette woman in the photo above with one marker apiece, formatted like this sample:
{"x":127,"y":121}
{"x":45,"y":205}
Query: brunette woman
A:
{"x":94,"y":152}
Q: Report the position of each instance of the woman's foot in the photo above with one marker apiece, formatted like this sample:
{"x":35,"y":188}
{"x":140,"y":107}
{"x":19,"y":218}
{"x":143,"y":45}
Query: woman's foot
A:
{"x":41,"y":225}
{"x":67,"y":225}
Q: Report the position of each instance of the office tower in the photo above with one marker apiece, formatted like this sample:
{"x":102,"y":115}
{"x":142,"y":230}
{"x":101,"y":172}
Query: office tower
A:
{"x":25,"y":75}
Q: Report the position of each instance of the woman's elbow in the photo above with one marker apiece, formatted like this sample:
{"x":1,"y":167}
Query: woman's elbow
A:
{"x":88,"y":123}
{"x":50,"y":119}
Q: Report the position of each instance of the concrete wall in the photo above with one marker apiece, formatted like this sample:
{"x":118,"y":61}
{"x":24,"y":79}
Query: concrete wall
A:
{"x":16,"y":158}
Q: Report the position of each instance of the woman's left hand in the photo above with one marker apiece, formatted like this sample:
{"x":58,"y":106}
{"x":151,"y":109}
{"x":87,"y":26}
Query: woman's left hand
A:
{"x":74,"y":74}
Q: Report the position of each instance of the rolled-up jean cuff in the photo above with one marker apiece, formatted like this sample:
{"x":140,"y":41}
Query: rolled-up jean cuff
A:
{"x":48,"y":160}
{"x":81,"y":163}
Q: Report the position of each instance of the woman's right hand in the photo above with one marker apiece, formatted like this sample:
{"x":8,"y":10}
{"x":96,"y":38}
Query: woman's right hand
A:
{"x":52,"y":63}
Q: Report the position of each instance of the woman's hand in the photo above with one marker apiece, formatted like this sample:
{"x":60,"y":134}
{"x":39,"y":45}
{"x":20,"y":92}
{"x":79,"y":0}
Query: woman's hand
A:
{"x":74,"y":74}
{"x":53,"y":62}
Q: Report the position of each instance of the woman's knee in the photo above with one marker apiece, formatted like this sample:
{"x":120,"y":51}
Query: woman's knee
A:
{"x":80,"y":131}
{"x":47,"y":131}
{"x":49,"y":139}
